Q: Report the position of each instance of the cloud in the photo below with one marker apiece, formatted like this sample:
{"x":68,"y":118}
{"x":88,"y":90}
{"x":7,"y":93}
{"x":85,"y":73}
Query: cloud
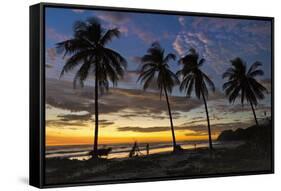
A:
{"x":65,"y":124}
{"x":181,"y":21}
{"x":218,"y":127}
{"x":75,"y":117}
{"x":116,"y":20}
{"x":76,"y":121}
{"x":48,"y":65}
{"x":130,"y":76}
{"x":267,"y":84}
{"x":186,"y":40}
{"x":222,"y":109}
{"x":53,"y":34}
{"x":105,"y":123}
{"x":180,"y":46}
{"x":192,"y":129}
{"x":51,"y":56}
{"x":125,"y":24}
{"x":144,"y":35}
{"x":124,"y":30}
{"x":167,"y":36}
{"x":143,"y":129}
{"x":261,"y":29}
{"x":196,"y":134}
{"x":69,"y":104}
{"x":60,"y":94}
{"x":215,"y":24}
{"x":135,"y":59}
{"x":145,"y":114}
{"x":115,"y":17}
{"x":219,"y":40}
{"x":78,"y":11}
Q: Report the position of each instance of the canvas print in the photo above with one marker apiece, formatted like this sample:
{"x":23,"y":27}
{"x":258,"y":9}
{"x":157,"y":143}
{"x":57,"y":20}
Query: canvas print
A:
{"x":136,"y":96}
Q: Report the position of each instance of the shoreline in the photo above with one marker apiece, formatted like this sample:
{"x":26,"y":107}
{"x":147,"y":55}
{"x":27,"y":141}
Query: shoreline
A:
{"x":123,"y":151}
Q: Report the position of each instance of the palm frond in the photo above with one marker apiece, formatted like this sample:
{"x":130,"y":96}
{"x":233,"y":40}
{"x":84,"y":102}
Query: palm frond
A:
{"x":229,"y":73}
{"x":209,"y":82}
{"x":169,"y":58}
{"x":201,"y":62}
{"x":75,"y":60}
{"x":148,"y":81}
{"x":234,"y":94}
{"x":109,"y":35}
{"x":254,"y":66}
{"x":82,"y":74}
{"x":256,"y":73}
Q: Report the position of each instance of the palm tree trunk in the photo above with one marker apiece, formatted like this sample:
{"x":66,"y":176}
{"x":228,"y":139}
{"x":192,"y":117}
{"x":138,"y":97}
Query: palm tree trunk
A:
{"x":96,"y":116}
{"x":171,"y":119}
{"x":208,"y":120}
{"x":254,"y":113}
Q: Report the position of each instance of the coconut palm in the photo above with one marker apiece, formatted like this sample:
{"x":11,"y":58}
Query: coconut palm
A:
{"x":242,"y":83}
{"x":87,"y":49}
{"x":194,"y":79}
{"x":156,"y":67}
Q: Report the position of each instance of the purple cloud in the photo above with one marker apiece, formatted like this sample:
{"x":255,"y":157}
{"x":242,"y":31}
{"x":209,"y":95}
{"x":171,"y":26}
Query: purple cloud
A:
{"x":181,"y":21}
{"x":52,"y":34}
{"x":51,"y":55}
{"x":220,"y":40}
{"x":144,"y":35}
{"x":114,"y":17}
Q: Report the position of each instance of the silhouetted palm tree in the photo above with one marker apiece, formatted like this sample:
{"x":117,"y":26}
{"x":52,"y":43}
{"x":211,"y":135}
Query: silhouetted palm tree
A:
{"x":156,"y":67}
{"x":87,"y":49}
{"x":194,"y":79}
{"x":241,"y":82}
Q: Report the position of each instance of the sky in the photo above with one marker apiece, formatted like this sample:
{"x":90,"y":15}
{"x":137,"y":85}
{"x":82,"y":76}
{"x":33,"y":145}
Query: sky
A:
{"x":127,"y":113}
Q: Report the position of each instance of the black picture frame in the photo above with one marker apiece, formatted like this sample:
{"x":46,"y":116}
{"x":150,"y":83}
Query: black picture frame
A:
{"x":37,"y":92}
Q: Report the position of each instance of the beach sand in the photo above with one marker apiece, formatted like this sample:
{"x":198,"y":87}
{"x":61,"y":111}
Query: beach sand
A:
{"x":197,"y":162}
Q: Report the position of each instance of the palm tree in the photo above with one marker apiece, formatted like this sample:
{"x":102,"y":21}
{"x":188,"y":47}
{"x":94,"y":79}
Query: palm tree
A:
{"x":156,"y":66}
{"x":87,"y":49}
{"x":241,"y":82}
{"x":193,"y":78}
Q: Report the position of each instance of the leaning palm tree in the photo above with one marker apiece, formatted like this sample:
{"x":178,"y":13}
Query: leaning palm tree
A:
{"x":156,"y":67}
{"x":242,"y":83}
{"x":87,"y":49}
{"x":193,"y":78}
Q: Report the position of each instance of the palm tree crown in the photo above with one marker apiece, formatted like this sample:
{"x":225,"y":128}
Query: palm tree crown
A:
{"x":88,"y":49}
{"x":193,"y":78}
{"x":241,"y":82}
{"x":156,"y":65}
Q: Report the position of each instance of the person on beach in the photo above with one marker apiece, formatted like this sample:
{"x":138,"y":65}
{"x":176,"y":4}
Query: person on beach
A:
{"x":135,"y":150}
{"x":147,"y":149}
